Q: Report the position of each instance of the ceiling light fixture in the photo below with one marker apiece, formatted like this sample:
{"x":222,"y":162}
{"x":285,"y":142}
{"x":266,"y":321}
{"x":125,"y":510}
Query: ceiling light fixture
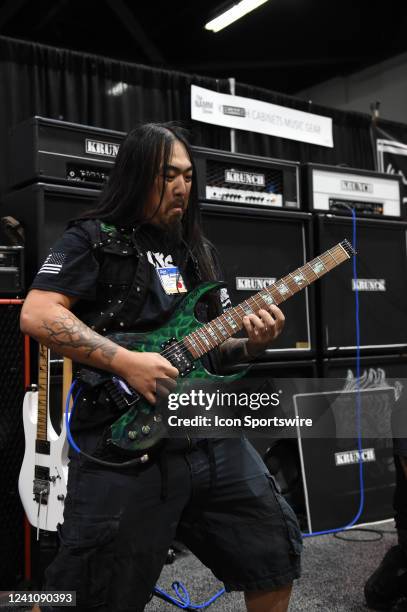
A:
{"x":118,"y":89}
{"x":233,"y":14}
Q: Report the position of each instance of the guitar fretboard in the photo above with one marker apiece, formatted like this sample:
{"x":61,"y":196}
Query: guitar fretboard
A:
{"x":43,"y":379}
{"x":230,"y":322}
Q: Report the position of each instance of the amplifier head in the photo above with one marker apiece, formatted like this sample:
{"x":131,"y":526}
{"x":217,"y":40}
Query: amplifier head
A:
{"x":11,"y":270}
{"x":246,"y":180}
{"x":338,"y":190}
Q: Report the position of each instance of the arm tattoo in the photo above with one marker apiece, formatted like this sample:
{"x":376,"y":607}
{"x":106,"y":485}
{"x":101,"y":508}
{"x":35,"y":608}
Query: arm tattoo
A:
{"x":66,"y":331}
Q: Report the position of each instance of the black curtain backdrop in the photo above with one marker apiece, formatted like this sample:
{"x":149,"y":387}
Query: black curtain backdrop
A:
{"x":61,"y":84}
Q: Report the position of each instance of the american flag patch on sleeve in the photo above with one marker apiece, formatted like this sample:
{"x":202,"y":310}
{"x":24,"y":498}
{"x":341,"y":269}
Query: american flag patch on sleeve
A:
{"x":53,"y":264}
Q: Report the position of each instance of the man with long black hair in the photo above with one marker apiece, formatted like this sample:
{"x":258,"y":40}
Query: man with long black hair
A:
{"x":111,"y":271}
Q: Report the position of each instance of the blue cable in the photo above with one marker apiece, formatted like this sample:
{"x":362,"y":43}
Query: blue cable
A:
{"x":358,"y":400}
{"x":186,"y":603}
{"x":68,"y":418}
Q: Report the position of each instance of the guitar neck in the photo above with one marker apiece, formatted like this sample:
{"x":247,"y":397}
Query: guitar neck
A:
{"x":43,"y":386}
{"x":230,"y":322}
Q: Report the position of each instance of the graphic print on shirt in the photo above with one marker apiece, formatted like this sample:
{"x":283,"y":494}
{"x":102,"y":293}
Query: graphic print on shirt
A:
{"x":53,"y":264}
{"x":168,"y":273}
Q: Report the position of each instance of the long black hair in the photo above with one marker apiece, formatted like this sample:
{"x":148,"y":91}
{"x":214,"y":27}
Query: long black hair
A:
{"x":143,"y":154}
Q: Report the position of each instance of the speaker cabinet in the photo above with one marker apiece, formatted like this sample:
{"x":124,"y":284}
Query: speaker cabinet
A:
{"x":256,"y":248}
{"x":330,"y":463}
{"x":11,"y":445}
{"x":382,"y":288}
{"x":318,"y":470}
{"x":44,"y":210}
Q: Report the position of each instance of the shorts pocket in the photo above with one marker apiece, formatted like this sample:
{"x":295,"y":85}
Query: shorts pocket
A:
{"x":85,"y":559}
{"x":290,"y":520}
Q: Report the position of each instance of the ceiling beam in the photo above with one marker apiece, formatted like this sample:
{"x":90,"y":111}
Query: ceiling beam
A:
{"x":130,"y":23}
{"x":9,"y":9}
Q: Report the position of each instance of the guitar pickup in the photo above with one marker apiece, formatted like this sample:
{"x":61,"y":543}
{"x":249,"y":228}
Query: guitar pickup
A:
{"x":42,"y":446}
{"x":178,"y":356}
{"x":41,"y":473}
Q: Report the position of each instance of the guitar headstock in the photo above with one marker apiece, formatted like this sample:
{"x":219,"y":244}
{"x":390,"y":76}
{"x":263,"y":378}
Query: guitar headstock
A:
{"x":346,"y":245}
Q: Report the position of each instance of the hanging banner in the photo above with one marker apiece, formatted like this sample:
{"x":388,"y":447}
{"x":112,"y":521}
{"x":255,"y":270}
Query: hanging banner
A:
{"x":392,"y":158}
{"x":255,"y":116}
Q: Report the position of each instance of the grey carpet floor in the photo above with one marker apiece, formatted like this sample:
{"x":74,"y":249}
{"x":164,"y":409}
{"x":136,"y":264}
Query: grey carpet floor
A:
{"x":334,"y":572}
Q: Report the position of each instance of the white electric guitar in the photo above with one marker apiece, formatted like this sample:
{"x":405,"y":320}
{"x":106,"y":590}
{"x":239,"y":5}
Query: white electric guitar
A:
{"x":44,"y":472}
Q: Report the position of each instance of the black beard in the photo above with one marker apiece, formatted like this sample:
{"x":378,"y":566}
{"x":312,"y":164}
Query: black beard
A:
{"x":172,"y":233}
{"x":175,"y":232}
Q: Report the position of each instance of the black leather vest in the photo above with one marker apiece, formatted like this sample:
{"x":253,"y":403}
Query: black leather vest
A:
{"x":122,"y":281}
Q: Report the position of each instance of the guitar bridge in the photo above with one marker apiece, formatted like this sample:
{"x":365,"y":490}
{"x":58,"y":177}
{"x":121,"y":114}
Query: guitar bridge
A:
{"x":41,"y":491}
{"x":41,"y":486}
{"x":178,"y":356}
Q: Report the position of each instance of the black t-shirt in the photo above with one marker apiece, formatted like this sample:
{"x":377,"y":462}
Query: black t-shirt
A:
{"x":71,"y":267}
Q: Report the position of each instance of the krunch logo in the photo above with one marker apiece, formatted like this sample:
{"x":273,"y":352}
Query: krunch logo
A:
{"x":357,"y":186}
{"x":97,"y":147}
{"x":235,"y":111}
{"x":253,"y":283}
{"x":245,"y":178}
{"x":369,"y":284}
{"x":352,"y":457}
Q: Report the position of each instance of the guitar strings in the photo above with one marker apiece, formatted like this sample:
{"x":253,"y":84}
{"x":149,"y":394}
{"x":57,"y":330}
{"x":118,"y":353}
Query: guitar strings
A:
{"x":180,"y":345}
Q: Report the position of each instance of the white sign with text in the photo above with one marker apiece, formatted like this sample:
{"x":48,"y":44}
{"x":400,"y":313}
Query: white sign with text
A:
{"x":252,"y":115}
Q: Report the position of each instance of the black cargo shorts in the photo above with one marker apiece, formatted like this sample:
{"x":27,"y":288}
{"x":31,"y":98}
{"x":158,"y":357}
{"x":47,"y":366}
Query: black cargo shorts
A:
{"x":220,"y":501}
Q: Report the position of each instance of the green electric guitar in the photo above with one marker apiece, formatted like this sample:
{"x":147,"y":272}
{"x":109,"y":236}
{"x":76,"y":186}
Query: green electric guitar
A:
{"x":183,"y":341}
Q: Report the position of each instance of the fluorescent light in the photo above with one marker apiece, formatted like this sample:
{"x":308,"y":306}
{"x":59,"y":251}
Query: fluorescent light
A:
{"x":233,"y":14}
{"x":118,"y":89}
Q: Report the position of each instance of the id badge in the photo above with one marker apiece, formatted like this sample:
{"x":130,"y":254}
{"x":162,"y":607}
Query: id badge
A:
{"x":171,"y":280}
